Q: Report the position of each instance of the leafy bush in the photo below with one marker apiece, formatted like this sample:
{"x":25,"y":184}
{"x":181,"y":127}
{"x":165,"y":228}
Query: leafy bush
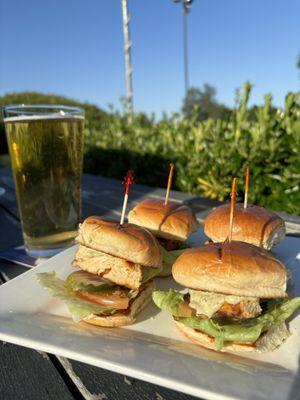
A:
{"x":208,"y":154}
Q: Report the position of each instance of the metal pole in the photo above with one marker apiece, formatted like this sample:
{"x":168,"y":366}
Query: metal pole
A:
{"x":185,"y":46}
{"x":127,"y":54}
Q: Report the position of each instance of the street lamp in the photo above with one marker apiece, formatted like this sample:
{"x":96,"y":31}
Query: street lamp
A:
{"x":186,"y":5}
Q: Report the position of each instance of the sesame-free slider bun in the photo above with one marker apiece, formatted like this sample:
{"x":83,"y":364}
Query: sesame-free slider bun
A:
{"x":253,"y":224}
{"x":128,"y":241}
{"x":268,"y":341}
{"x":173,"y":221}
{"x":231,"y":268}
{"x":128,"y":318}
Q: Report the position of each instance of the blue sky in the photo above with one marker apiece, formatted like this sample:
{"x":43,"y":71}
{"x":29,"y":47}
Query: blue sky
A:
{"x":75,"y":48}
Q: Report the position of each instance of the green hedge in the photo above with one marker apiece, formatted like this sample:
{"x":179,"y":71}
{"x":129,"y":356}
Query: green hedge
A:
{"x":208,"y":154}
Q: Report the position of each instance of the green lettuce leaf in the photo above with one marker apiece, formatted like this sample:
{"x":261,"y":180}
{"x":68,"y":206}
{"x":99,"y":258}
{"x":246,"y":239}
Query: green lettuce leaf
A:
{"x":132,"y":294}
{"x":165,"y":271}
{"x":168,"y":301}
{"x":227,"y":330}
{"x":231,"y":332}
{"x":149,"y":273}
{"x":78,"y":308}
{"x":85,"y":282}
{"x":169,"y":257}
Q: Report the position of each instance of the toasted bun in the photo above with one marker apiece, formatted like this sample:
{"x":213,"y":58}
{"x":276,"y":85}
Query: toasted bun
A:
{"x":268,"y":341}
{"x":253,"y":224}
{"x":173,"y":221}
{"x":120,"y":319}
{"x":128,"y":241}
{"x":234,"y":268}
{"x":202,"y":339}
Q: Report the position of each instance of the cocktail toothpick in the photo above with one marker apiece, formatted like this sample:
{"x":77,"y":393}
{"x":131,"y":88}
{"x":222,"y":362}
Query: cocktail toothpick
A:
{"x":169,"y":183}
{"x":247,"y":179}
{"x":128,"y":181}
{"x":232,"y":204}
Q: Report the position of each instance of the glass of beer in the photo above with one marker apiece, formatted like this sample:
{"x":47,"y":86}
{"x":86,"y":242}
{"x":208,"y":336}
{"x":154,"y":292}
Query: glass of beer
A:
{"x":46,"y":150}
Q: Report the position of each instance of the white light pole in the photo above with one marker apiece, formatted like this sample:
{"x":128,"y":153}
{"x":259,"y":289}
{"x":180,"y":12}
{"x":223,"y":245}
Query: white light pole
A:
{"x":127,"y":53}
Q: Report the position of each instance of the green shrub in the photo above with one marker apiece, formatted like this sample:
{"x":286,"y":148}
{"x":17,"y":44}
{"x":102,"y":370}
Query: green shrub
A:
{"x":208,"y":154}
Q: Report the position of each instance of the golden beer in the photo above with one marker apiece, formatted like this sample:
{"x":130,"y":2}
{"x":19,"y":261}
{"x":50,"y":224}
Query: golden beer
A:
{"x":46,"y":154}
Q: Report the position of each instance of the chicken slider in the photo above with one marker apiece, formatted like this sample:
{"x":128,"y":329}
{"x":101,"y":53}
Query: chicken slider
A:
{"x":114,"y":281}
{"x":236,"y":299}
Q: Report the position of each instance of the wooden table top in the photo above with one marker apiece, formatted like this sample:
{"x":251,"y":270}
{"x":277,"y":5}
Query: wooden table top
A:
{"x":29,"y":374}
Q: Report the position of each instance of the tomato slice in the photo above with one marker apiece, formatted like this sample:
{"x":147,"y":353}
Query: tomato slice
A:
{"x":117,"y":299}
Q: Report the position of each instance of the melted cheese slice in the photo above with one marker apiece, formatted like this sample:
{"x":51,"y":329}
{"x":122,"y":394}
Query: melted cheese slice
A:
{"x":206,"y":303}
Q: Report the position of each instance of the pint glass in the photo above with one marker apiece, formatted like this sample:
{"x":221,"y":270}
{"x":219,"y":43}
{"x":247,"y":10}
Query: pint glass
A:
{"x":46,"y":150}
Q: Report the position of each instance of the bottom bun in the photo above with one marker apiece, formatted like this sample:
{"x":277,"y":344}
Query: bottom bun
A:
{"x":268,"y":341}
{"x":120,"y":319}
{"x":204,"y":340}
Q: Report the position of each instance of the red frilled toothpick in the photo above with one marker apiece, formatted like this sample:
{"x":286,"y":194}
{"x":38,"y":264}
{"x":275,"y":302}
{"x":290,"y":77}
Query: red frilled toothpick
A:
{"x":128,"y":181}
{"x":232,"y":205}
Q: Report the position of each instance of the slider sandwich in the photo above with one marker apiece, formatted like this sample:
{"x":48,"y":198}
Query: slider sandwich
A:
{"x":170,"y":223}
{"x":252,"y":224}
{"x":236,"y":299}
{"x":114,"y":282}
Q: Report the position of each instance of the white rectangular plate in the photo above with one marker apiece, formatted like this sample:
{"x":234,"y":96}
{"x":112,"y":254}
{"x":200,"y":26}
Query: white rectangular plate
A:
{"x":151,"y":349}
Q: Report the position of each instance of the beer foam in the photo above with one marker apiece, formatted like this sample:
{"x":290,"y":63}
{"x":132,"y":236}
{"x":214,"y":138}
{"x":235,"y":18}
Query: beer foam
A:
{"x":59,"y":115}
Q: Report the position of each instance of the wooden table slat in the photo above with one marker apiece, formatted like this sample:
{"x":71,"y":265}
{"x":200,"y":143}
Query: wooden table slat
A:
{"x":116,"y":386}
{"x":28,"y":374}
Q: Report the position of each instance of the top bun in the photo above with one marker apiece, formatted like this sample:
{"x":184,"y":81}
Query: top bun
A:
{"x":172,"y":221}
{"x":129,"y":242}
{"x":233,"y":268}
{"x":253,"y":224}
